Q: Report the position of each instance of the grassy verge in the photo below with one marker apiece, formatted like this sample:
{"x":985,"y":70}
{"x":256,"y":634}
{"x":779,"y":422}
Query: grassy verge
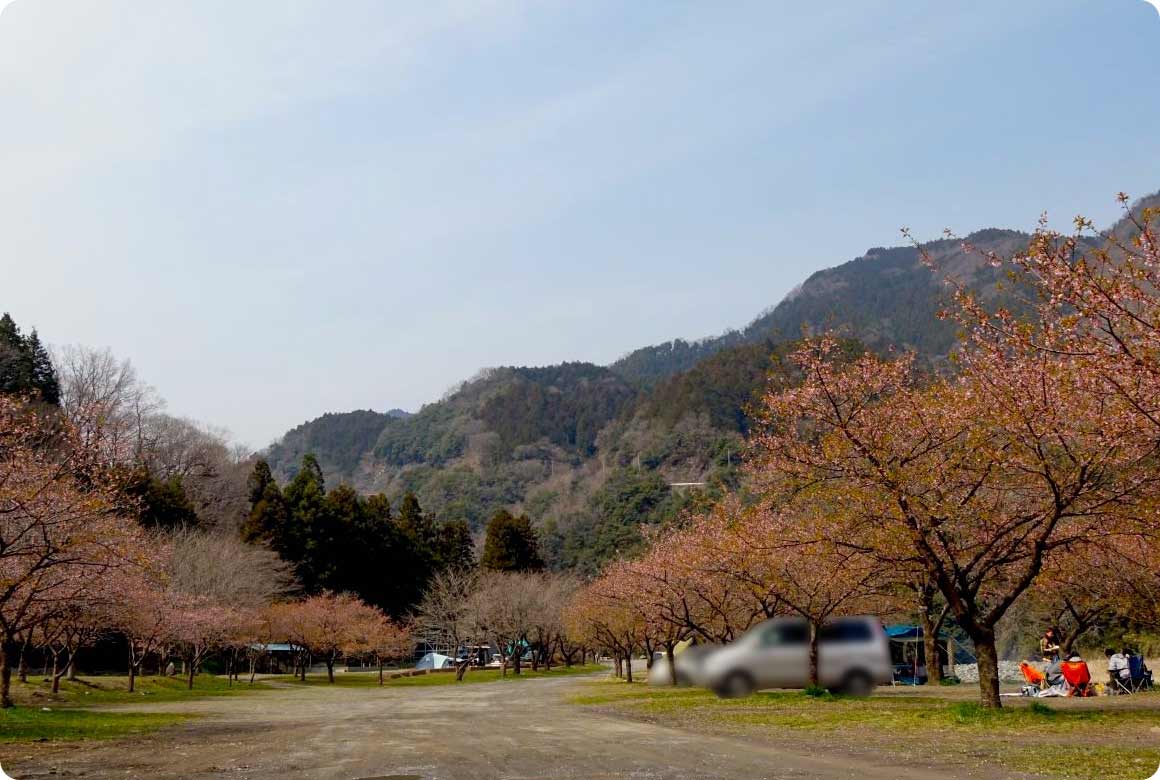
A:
{"x":371,"y":679}
{"x":27,"y":724}
{"x":115,"y":690}
{"x":1096,"y":740}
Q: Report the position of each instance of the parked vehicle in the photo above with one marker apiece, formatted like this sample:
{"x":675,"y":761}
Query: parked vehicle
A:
{"x":853,"y":657}
{"x":690,"y":666}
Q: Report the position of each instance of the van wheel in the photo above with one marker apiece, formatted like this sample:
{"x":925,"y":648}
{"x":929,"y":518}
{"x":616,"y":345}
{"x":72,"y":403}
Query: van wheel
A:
{"x":737,"y":685}
{"x":857,"y":684}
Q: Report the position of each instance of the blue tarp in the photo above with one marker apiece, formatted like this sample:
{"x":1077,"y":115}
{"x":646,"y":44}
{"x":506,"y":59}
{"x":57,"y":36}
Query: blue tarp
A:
{"x":906,"y":633}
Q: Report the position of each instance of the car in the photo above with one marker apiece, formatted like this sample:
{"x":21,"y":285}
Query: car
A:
{"x":689,"y":665}
{"x":853,"y":658}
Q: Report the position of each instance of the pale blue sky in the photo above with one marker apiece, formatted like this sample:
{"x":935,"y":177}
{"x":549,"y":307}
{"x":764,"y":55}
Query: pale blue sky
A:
{"x":280,"y":208}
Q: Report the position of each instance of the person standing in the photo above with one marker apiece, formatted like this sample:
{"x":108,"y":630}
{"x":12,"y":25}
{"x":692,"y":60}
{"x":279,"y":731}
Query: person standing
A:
{"x":1049,"y":646}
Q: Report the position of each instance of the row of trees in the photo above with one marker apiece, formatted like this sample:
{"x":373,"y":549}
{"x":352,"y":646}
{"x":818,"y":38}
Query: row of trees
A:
{"x":116,"y":524}
{"x":514,"y":612}
{"x":1027,"y":475}
{"x":77,"y":567}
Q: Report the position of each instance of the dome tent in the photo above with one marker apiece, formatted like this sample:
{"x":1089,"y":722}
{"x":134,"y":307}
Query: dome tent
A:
{"x":435,"y":661}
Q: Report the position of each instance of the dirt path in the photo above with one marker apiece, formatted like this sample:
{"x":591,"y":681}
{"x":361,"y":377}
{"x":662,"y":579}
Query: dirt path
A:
{"x":513,"y":731}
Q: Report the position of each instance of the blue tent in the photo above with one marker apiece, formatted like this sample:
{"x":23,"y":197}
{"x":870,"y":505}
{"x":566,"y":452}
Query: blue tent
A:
{"x":909,"y":669}
{"x":903,"y":632}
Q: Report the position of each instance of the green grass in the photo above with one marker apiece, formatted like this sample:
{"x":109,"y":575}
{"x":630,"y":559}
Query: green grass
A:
{"x":371,"y":679}
{"x":29,"y":724}
{"x":115,"y":690}
{"x":1032,"y":737}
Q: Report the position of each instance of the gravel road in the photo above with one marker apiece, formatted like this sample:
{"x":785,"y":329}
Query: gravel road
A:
{"x":511,"y":731}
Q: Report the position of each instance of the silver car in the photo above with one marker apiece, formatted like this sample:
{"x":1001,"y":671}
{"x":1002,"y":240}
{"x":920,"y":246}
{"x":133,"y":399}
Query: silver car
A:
{"x":853,"y":657}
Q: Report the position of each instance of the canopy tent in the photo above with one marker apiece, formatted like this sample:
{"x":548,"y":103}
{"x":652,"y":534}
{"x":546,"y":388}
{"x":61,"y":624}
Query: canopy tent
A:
{"x":907,"y":652}
{"x":435,"y":661}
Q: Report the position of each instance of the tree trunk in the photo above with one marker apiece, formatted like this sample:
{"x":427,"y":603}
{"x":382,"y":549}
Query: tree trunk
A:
{"x":461,"y":670}
{"x":618,"y":665}
{"x":672,"y":663}
{"x":55,"y":674}
{"x":132,"y":676}
{"x":22,"y":664}
{"x":58,"y":674}
{"x":813,"y":654}
{"x":628,"y":667}
{"x":5,"y":677}
{"x":930,"y":646}
{"x":988,"y":660}
{"x":190,"y":667}
{"x":330,"y":670}
{"x":381,"y":671}
{"x":72,"y":667}
{"x":516,"y":665}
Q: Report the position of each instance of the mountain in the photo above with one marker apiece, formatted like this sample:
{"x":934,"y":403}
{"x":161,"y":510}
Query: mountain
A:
{"x":590,"y":452}
{"x":887,"y":297}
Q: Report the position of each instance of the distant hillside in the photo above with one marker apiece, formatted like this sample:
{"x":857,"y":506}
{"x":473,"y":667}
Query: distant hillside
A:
{"x":589,"y":452}
{"x":886,"y":297}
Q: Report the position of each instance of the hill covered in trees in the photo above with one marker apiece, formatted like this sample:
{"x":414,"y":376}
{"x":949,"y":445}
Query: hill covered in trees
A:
{"x":590,"y":452}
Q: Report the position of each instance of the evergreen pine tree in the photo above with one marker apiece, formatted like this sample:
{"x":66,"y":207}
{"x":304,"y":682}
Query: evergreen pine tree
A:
{"x":511,"y":544}
{"x":15,"y":363}
{"x":306,"y":520}
{"x":412,"y":522}
{"x":258,"y":480}
{"x":455,"y":548}
{"x":43,"y":373}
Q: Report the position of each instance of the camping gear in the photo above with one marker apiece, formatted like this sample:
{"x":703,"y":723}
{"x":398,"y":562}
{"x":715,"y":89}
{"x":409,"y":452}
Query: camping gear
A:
{"x":1034,"y":679}
{"x":1140,"y":677}
{"x":907,"y":651}
{"x":1078,"y":678}
{"x":1118,"y":685}
{"x":435,"y":661}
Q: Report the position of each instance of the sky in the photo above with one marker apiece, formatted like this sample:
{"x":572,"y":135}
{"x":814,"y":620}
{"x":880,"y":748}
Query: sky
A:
{"x":279,"y":208}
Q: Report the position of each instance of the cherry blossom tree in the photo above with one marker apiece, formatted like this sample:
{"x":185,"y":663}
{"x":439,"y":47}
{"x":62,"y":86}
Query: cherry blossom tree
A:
{"x":974,"y":479}
{"x":60,"y":523}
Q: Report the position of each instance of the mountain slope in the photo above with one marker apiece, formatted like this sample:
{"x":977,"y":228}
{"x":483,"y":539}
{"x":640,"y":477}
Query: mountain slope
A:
{"x":589,"y":452}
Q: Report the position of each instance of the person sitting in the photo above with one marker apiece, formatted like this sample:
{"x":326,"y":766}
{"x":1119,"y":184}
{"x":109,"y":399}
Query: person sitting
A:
{"x":1079,"y":678}
{"x":1117,"y":667}
{"x":1053,"y":674}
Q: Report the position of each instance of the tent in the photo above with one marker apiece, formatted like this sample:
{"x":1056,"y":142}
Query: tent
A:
{"x":435,"y":661}
{"x":906,"y":652}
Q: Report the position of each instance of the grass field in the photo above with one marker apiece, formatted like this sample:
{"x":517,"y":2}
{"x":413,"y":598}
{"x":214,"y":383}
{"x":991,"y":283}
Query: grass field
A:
{"x":1096,"y":738}
{"x":115,"y":690}
{"x":26,"y":724}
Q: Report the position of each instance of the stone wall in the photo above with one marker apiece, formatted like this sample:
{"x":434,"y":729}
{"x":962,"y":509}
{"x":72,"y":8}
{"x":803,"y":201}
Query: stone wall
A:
{"x":1008,"y":672}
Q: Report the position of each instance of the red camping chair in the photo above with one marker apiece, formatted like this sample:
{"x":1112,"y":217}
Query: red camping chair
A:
{"x":1031,"y":674}
{"x":1078,"y":677}
{"x":1034,"y":678}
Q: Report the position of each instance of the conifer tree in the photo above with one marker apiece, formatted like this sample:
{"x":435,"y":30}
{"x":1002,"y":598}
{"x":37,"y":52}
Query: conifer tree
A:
{"x":42,"y":374}
{"x":511,"y":544}
{"x":15,"y":366}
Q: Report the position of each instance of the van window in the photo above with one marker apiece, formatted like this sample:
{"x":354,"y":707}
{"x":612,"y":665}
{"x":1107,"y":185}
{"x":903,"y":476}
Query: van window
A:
{"x":846,"y":631}
{"x":786,"y":633}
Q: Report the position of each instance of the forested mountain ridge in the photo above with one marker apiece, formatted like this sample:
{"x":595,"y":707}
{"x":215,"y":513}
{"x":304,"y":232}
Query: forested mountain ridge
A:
{"x":589,"y":452}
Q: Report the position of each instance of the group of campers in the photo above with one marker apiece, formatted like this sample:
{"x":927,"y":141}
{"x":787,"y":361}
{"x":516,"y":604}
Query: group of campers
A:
{"x":1070,"y":676}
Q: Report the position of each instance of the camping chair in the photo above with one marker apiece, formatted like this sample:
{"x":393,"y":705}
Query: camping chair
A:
{"x":1034,"y":678}
{"x":1118,"y":685}
{"x":1078,"y":678}
{"x":1140,"y":678}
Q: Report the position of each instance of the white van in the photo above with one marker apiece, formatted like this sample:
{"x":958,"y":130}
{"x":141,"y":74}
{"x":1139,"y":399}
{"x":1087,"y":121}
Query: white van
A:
{"x":853,"y":657}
